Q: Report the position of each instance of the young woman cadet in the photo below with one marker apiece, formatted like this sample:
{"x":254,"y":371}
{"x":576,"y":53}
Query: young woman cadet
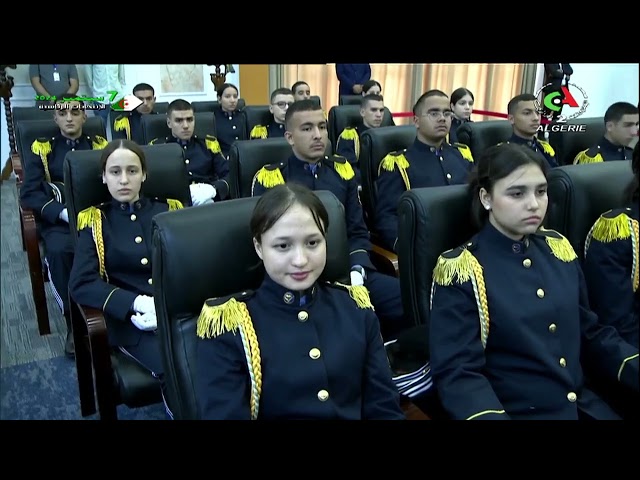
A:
{"x":297,"y":347}
{"x":510,"y":317}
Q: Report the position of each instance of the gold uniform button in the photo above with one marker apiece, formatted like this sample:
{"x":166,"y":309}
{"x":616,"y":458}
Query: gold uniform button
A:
{"x":314,"y":353}
{"x":133,"y":217}
{"x":571,"y":396}
{"x":302,"y":316}
{"x":552,"y":328}
{"x":323,"y":395}
{"x":144,"y":261}
{"x":138,"y":239}
{"x":540,"y":293}
{"x":150,"y":281}
{"x":526,"y":263}
{"x":563,"y":362}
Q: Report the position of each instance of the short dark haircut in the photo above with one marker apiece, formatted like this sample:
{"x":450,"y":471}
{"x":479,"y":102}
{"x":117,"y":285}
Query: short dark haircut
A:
{"x":515,"y":101}
{"x":275,"y":202}
{"x":618,"y":110}
{"x":178,"y":105}
{"x":143,"y":86}
{"x":372,"y":97}
{"x":307,"y":105}
{"x":280,"y":91}
{"x":430,"y":93}
{"x":297,"y":84}
{"x":495,"y":163}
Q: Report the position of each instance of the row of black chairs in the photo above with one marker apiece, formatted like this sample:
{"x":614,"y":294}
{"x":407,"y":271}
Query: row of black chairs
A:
{"x":185,"y":266}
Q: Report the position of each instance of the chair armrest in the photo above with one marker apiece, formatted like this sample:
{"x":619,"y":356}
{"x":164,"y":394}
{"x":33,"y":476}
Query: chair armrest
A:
{"x":16,"y":162}
{"x":96,"y":328}
{"x":385,"y":261}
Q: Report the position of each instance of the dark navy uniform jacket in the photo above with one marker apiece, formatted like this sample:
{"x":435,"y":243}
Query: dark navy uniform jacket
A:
{"x":334,"y":174}
{"x":539,"y":146}
{"x":111,"y":281}
{"x":350,"y":74}
{"x":418,"y":166}
{"x":205,"y":162}
{"x":509,"y":322}
{"x":604,"y":151}
{"x":453,"y":132}
{"x":129,"y":125}
{"x":230,"y":126}
{"x":611,"y":268}
{"x":43,"y":169}
{"x":320,"y":357}
{"x":273,"y":130}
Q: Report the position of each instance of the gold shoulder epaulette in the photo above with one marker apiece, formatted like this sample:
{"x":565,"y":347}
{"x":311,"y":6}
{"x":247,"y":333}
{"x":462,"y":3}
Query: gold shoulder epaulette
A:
{"x":173,"y":203}
{"x":612,"y":225}
{"x":342,"y":166}
{"x":270,"y":175}
{"x":560,"y":247}
{"x":393,"y":160}
{"x":259,"y":131}
{"x":212,"y":144}
{"x":349,"y":133}
{"x":548,"y":149}
{"x":230,"y":314}
{"x":457,"y":265}
{"x":358,"y":293}
{"x":122,"y":123}
{"x":92,"y":217}
{"x":590,"y":155}
{"x":465,"y":151}
{"x":98,"y":142}
{"x":42,"y":147}
{"x":223,"y":314}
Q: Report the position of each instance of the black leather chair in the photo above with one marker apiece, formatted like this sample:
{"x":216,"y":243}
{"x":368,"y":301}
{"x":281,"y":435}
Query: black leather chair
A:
{"x":29,"y":131}
{"x":479,"y":136}
{"x":316,"y":99}
{"x":579,"y":194}
{"x":568,"y":144}
{"x":246,"y":157}
{"x":341,"y":117}
{"x":209,"y":106}
{"x":155,"y":126}
{"x":189,"y":269}
{"x":431,"y":221}
{"x":257,"y":115}
{"x":117,"y":378}
{"x":161,"y":107}
{"x":350,"y":100}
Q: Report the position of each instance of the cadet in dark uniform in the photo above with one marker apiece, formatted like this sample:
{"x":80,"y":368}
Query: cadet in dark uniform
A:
{"x":525,"y":119}
{"x":301,"y":91}
{"x":112,"y":266}
{"x":462,"y":106}
{"x":208,"y":168}
{"x":510,"y":316}
{"x":429,"y":162}
{"x":348,"y":144}
{"x":129,"y":124}
{"x":296,"y":348}
{"x":621,"y":128}
{"x":230,"y":122}
{"x":43,"y":192}
{"x":307,"y":134}
{"x":281,"y":100}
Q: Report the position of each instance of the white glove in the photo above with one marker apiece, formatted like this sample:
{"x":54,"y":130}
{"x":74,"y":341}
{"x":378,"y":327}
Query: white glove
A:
{"x":202,"y":193}
{"x":145,"y":322}
{"x":144,"y":304}
{"x":64,"y":215}
{"x":357,"y":278}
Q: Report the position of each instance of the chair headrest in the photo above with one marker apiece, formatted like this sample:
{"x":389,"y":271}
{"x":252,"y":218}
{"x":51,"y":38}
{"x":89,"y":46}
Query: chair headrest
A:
{"x":316,"y":99}
{"x":221,"y":259}
{"x":167,"y":177}
{"x":579,"y":194}
{"x":257,"y":115}
{"x":161,"y":107}
{"x":20,"y":114}
{"x":568,"y":144}
{"x":350,"y":100}
{"x":479,"y":136}
{"x":246,"y":157}
{"x":30,"y":130}
{"x":375,"y":144}
{"x":430,"y":222}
